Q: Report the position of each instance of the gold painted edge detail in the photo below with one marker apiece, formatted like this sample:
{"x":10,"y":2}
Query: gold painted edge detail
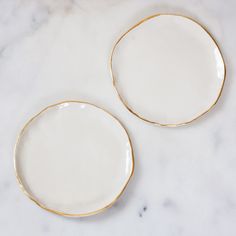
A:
{"x":59,"y":212}
{"x":123,"y":100}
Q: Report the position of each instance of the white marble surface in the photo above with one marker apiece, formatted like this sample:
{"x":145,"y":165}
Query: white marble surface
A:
{"x":185,"y":178}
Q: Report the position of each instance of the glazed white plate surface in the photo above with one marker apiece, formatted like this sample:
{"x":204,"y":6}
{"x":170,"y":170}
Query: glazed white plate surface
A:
{"x":74,"y":158}
{"x":168,"y":70}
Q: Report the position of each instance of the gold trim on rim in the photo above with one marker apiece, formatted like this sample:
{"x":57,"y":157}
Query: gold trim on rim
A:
{"x":126,"y":103}
{"x":59,"y":212}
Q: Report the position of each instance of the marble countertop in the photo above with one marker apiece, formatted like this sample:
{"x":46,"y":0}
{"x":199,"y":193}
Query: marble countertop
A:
{"x":185,"y":178}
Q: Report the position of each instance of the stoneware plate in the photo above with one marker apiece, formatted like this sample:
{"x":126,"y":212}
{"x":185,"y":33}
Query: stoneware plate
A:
{"x":167,"y":70}
{"x":74,"y":159}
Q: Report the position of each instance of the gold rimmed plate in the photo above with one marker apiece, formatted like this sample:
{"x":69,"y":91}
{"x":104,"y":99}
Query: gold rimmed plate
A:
{"x":168,"y":70}
{"x":73,"y":159}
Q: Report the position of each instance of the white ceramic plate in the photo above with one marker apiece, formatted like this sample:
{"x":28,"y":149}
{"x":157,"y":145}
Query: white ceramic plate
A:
{"x":168,"y":70}
{"x":73,"y":159}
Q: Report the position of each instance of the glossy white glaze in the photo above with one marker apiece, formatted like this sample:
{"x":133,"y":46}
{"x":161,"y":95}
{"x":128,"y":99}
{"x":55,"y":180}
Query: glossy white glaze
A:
{"x":74,"y":158}
{"x":168,"y":69}
{"x":184,"y":180}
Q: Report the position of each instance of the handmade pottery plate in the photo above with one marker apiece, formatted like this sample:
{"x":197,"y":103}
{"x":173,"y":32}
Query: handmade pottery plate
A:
{"x":168,"y":70}
{"x":73,"y":159}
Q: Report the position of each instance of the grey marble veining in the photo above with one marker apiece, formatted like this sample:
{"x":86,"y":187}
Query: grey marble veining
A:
{"x":185,"y":178}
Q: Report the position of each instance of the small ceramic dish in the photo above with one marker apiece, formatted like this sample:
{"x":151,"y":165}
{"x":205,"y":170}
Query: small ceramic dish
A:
{"x":168,"y":70}
{"x":74,"y":159}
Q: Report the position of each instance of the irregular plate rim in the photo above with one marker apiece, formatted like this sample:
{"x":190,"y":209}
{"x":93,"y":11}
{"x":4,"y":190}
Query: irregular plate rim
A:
{"x":32,"y":198}
{"x":126,"y":103}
